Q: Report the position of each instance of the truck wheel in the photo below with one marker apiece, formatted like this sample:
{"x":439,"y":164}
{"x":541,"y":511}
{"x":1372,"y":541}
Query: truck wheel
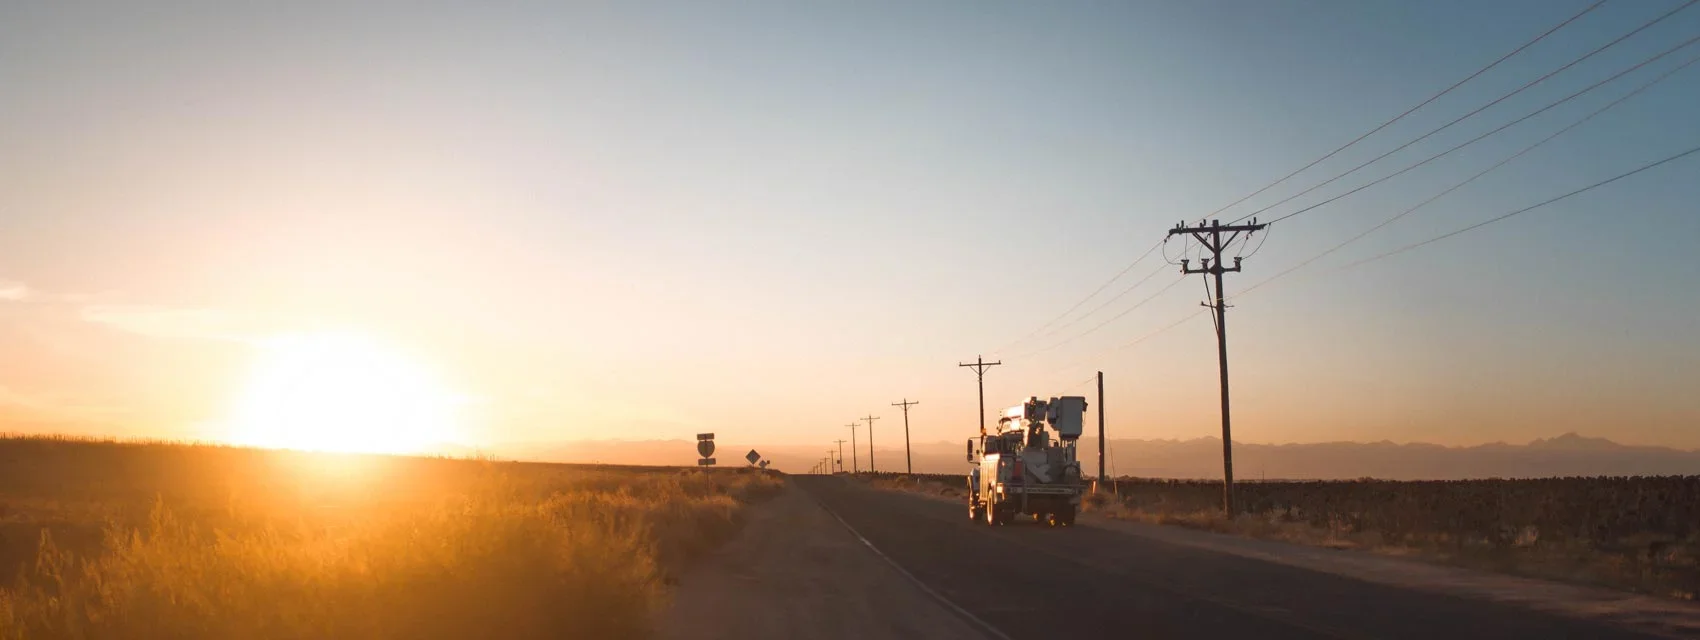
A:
{"x":1066,"y":518}
{"x":990,"y":514}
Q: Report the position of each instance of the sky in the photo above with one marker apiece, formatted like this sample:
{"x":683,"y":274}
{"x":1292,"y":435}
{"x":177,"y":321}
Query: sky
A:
{"x":646,"y":220}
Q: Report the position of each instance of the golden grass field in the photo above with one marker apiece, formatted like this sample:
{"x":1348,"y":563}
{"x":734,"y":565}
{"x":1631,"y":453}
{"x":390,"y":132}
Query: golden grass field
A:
{"x":120,"y":540}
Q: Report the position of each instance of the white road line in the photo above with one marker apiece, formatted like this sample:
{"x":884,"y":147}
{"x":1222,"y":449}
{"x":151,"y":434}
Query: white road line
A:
{"x":984,"y":626}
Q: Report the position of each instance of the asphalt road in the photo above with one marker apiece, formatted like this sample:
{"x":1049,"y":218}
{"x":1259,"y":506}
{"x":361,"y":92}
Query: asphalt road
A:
{"x":1029,"y":581}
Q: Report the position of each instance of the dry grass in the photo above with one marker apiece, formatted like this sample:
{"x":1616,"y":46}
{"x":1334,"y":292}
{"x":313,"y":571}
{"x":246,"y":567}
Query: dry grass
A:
{"x":121,"y":541}
{"x":1645,"y":543}
{"x":917,"y":484}
{"x":1575,"y":563}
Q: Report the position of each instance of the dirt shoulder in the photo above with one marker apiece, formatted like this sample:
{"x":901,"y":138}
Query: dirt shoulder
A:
{"x":796,"y":572}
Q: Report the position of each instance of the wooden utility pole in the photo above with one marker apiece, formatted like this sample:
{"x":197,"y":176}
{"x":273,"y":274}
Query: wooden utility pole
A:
{"x":1211,"y":238}
{"x":840,"y":443}
{"x":1101,"y":476}
{"x":855,"y":466}
{"x":980,"y":365}
{"x":871,"y":418}
{"x":908,"y":461}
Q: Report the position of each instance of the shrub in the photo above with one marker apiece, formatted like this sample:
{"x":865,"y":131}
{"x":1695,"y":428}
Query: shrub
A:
{"x":517,"y":552}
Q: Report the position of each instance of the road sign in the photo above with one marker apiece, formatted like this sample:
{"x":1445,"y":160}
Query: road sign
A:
{"x":705,"y":462}
{"x":705,"y":436}
{"x":705,"y":448}
{"x":752,"y":456}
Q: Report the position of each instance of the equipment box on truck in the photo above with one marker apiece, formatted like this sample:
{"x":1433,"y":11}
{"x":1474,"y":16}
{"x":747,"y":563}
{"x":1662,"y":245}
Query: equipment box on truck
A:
{"x":1020,"y":469}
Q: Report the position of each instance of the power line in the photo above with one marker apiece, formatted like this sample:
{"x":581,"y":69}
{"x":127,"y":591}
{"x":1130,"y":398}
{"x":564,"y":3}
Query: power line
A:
{"x":1153,"y":334}
{"x":1480,"y":109}
{"x":1098,"y":308}
{"x":1520,"y":211}
{"x":979,"y":365}
{"x":1076,"y":385}
{"x":1211,"y":237}
{"x":1243,"y":255}
{"x":1637,"y":91}
{"x":1114,"y":318}
{"x":1147,"y":336}
{"x":1142,"y":256}
{"x":1082,"y":301}
{"x":1407,"y":112}
{"x":1130,"y":344}
{"x":908,"y":461}
{"x":871,"y":418}
{"x":1207,"y":296}
{"x":855,"y":463}
{"x":1043,"y":328}
{"x":1479,"y":138}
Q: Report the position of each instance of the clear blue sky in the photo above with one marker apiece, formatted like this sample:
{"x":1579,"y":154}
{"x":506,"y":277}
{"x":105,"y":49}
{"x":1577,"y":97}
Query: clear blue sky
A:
{"x":642,"y":220}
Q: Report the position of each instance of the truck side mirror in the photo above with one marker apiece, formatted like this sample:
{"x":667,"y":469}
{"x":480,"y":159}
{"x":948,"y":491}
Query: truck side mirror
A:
{"x":970,"y":449}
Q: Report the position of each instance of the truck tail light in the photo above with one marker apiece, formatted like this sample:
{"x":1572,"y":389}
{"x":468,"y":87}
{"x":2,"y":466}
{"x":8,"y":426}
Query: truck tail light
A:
{"x":1017,"y":472}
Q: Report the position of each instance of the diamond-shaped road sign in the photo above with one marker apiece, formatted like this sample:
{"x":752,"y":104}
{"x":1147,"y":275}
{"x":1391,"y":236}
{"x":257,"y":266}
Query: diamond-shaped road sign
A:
{"x":752,"y":456}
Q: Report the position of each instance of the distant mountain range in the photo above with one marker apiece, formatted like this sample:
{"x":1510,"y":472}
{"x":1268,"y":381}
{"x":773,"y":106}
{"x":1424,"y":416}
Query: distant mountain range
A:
{"x":1566,"y":455}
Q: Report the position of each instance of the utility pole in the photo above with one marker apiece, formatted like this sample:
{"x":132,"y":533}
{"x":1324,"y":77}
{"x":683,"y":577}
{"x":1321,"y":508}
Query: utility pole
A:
{"x":1211,"y":238}
{"x":908,"y":461}
{"x":840,"y":443}
{"x":855,"y":467}
{"x":1101,"y":476}
{"x":980,"y":365}
{"x":871,"y":418}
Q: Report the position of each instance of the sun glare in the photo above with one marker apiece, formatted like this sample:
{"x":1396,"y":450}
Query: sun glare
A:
{"x":341,"y":392}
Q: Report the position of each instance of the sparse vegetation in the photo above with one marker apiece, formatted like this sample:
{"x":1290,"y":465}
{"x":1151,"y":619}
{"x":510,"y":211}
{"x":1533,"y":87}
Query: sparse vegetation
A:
{"x":920,"y":483}
{"x":1636,"y":533}
{"x":111,"y":540}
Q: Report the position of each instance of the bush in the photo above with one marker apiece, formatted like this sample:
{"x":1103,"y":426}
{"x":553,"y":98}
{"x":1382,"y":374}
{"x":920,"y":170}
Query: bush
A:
{"x":522,"y":552}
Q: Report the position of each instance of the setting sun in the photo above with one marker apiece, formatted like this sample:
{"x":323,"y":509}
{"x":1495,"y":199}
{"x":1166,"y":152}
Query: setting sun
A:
{"x":340,"y":392}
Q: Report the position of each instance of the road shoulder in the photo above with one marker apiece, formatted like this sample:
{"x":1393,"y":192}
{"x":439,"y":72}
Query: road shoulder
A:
{"x":796,"y":572}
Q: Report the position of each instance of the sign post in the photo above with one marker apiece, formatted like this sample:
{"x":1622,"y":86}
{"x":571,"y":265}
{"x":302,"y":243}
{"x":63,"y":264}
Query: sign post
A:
{"x":705,"y":447}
